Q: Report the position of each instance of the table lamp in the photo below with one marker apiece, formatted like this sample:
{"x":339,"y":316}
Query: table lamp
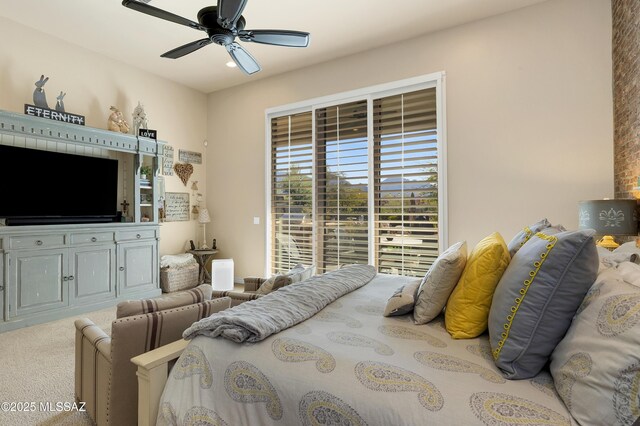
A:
{"x":608,"y":218}
{"x":204,"y":218}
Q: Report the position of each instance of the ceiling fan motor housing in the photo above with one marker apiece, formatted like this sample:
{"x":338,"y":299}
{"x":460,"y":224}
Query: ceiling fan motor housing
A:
{"x":208,"y":17}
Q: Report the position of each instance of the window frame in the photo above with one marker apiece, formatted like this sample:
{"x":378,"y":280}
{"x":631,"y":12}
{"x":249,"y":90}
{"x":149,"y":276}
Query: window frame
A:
{"x":434,"y":80}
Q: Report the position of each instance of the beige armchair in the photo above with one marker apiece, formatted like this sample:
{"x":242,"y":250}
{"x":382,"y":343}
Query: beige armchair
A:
{"x":251,"y":285}
{"x":261,"y":286}
{"x":238,"y":297}
{"x":105,"y":377}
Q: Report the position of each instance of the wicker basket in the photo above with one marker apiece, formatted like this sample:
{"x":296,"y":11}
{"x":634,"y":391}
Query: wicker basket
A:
{"x":175,"y":279}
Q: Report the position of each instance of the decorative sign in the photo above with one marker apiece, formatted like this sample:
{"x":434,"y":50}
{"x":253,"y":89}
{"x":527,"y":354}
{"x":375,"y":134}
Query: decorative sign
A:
{"x":190,"y":157}
{"x":184,"y":171}
{"x":176,"y":206}
{"x":51,"y":114}
{"x":167,"y":161}
{"x":148,"y":133}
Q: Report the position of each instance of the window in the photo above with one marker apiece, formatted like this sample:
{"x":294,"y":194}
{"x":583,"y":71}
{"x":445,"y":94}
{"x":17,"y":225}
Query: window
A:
{"x":359,"y":181}
{"x":341,"y":186}
{"x":291,"y":191}
{"x":405,"y":158}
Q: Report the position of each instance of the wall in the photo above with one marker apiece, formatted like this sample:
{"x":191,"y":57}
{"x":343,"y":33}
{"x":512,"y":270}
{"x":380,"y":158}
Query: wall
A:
{"x":93,"y":83}
{"x":626,"y":95}
{"x":529,"y":109}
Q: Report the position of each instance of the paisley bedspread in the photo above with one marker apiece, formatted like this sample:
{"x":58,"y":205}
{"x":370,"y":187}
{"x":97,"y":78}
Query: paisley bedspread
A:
{"x":349,"y":365}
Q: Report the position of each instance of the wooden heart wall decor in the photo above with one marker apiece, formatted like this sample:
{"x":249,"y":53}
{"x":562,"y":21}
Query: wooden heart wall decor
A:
{"x":184,"y":171}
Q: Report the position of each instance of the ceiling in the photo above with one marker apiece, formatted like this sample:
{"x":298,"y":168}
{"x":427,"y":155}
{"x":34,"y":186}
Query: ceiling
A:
{"x":338,"y":28}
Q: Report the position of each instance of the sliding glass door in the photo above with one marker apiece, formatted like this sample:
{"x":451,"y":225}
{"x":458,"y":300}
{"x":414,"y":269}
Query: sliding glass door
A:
{"x":359,"y":182}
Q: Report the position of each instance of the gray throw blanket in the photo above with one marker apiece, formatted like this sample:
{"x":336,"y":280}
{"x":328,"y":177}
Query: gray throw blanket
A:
{"x":258,"y":319}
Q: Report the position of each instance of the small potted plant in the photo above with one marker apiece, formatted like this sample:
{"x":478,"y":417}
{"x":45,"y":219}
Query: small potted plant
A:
{"x":144,"y":172}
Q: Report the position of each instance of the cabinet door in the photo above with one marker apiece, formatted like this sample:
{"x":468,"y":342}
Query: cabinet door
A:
{"x":37,"y":281}
{"x":137,"y":266}
{"x":92,"y":273}
{"x":3,"y":288}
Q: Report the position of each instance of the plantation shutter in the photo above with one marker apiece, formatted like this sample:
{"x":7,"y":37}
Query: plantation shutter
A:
{"x":291,"y":191}
{"x":341,"y":186}
{"x":405,"y":182}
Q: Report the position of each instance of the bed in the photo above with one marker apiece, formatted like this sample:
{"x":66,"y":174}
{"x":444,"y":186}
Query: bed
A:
{"x":348,"y":365}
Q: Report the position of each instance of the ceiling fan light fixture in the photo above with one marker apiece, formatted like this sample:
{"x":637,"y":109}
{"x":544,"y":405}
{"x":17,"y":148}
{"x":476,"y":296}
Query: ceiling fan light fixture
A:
{"x":231,"y":64}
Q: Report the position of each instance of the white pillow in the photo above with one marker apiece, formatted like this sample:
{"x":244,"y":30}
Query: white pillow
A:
{"x":630,"y":273}
{"x":596,"y":365}
{"x":439,"y":282}
{"x":614,"y":259}
{"x":301,"y":273}
{"x":629,"y":247}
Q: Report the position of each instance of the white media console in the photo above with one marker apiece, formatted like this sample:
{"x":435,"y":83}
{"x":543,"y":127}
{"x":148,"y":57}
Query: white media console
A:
{"x":49,"y":272}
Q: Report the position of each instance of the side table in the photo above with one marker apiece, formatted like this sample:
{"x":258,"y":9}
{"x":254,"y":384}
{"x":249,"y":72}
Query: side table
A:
{"x":203,"y":257}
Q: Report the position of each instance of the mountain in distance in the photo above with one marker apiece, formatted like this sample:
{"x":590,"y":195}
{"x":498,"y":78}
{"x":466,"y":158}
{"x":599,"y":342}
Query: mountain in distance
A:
{"x":388,"y":184}
{"x":393,"y":184}
{"x":397,"y":184}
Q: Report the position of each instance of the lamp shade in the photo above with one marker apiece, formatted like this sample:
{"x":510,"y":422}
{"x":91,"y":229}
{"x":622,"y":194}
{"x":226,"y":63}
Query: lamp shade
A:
{"x":222,"y":274}
{"x":608,"y":217}
{"x":203,"y":216}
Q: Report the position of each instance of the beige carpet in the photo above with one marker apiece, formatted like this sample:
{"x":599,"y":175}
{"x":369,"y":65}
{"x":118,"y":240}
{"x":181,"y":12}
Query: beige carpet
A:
{"x":36,"y":365}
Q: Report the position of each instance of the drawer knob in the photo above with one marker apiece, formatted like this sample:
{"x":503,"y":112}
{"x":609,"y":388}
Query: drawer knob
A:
{"x":122,"y":268}
{"x":94,"y":239}
{"x":39,"y":242}
{"x":65,"y":278}
{"x":138,"y":236}
{"x":71,"y":278}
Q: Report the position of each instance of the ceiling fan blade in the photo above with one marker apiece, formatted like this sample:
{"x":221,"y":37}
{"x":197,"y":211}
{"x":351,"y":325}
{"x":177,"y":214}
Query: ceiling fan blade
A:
{"x":242,"y":58}
{"x":179,"y":52}
{"x":276,"y":37}
{"x":162,"y":14}
{"x":229,"y":11}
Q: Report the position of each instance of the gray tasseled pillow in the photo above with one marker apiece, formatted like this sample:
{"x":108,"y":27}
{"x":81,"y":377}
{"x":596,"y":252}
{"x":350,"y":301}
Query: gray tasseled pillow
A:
{"x":537,"y":297}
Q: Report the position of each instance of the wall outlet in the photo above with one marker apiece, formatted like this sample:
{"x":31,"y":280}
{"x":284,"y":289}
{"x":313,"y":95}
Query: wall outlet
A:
{"x":256,"y":220}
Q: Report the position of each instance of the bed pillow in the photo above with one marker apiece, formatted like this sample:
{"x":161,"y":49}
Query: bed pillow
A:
{"x":524,"y":235}
{"x":597,"y":363}
{"x":403,"y":300}
{"x":630,"y":272}
{"x":629,"y":247}
{"x":439,"y":282}
{"x":536,"y":298}
{"x":267,"y":286}
{"x":301,"y":273}
{"x":467,"y":310}
{"x":296,"y":274}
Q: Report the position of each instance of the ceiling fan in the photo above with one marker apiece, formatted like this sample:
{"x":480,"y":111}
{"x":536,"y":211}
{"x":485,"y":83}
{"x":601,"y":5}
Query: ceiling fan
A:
{"x":223,"y":23}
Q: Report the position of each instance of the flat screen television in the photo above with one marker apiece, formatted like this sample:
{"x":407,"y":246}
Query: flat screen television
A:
{"x":43,"y":187}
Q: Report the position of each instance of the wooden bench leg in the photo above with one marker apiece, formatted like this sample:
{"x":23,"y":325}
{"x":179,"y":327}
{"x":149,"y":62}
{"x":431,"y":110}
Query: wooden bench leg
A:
{"x":153,"y":372}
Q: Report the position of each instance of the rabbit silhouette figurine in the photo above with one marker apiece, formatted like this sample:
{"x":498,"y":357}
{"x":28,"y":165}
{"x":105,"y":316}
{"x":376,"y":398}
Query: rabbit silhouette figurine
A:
{"x":39,"y":97}
{"x":60,"y":103}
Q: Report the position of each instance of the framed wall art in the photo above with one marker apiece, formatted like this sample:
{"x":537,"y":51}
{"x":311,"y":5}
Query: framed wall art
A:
{"x":190,"y":157}
{"x":167,"y":161}
{"x":176,"y":207}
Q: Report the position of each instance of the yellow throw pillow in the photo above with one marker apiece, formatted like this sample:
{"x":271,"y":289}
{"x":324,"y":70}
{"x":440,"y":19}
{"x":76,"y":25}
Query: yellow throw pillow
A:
{"x":467,"y":312}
